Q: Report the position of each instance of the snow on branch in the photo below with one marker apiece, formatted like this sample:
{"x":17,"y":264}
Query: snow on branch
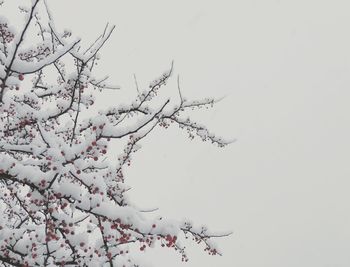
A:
{"x":62,"y":192}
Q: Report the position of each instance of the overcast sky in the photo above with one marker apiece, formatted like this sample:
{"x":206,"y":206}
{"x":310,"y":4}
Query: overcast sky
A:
{"x":283,"y":186}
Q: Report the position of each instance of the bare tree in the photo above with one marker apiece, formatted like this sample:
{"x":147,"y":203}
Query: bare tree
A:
{"x":62,"y":196}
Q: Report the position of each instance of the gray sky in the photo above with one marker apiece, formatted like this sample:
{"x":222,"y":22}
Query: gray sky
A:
{"x":284,"y":66}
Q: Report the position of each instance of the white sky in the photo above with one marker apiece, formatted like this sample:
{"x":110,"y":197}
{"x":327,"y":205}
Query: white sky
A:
{"x":283,"y":187}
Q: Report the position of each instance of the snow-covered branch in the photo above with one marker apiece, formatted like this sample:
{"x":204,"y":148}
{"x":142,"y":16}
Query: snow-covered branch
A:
{"x":62,"y":192}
